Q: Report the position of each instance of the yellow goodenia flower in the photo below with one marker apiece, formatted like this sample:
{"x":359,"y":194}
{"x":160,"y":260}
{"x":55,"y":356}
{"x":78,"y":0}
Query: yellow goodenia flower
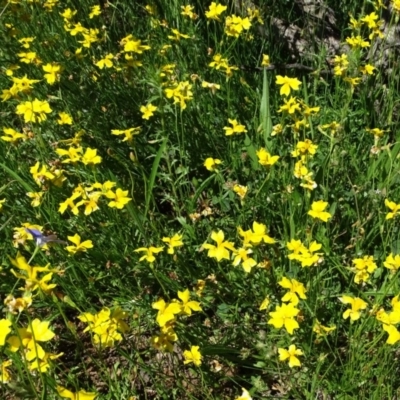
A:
{"x":73,"y":154}
{"x":129,"y":133}
{"x":235,"y":25}
{"x":392,"y":262}
{"x":296,"y":290}
{"x":236,"y":128}
{"x":187,"y":305}
{"x":212,"y":163}
{"x":317,"y":211}
{"x":28,"y":338}
{"x":394,"y":208}
{"x":291,"y":354}
{"x":78,"y":246}
{"x":90,"y":157}
{"x":52,"y":73}
{"x":5,"y":329}
{"x":242,"y":257}
{"x":188,"y":12}
{"x":174,"y":241}
{"x":106,"y":62}
{"x":119,"y":199}
{"x":288,"y":84}
{"x":245,"y":395}
{"x":265,"y":158}
{"x":356,"y":303}
{"x":5,"y":375}
{"x":34,"y":111}
{"x":283,"y":316}
{"x":65,"y":119}
{"x":193,"y":356}
{"x":240,"y":190}
{"x":265,"y":61}
{"x":94,"y":11}
{"x":148,"y":111}
{"x":166,"y":312}
{"x":221,"y":250}
{"x":13,"y":136}
{"x":36,"y":198}
{"x":215,"y":10}
{"x":150,"y":251}
{"x":81,"y":395}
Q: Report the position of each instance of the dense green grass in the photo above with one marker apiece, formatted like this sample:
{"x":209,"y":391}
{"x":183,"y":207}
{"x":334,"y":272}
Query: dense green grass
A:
{"x":171,"y":192}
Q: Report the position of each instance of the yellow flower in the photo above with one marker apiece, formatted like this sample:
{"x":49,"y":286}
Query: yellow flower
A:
{"x":53,"y":71}
{"x":78,"y":246}
{"x":90,"y":157}
{"x":13,"y":136}
{"x":235,"y":128}
{"x":37,"y":331}
{"x":193,"y":356}
{"x":234,"y":25}
{"x":26,"y":41}
{"x":317,"y":210}
{"x":295,"y":288}
{"x":65,"y":119}
{"x":68,"y":14}
{"x":42,"y":175}
{"x":392,"y":262}
{"x":34,"y":111}
{"x":287,"y":84}
{"x":180,"y":92}
{"x":394,"y":334}
{"x":188,"y":12}
{"x":290,"y":105}
{"x":322,"y":330}
{"x":367,"y":69}
{"x":94,"y":11}
{"x":36,"y":198}
{"x":290,"y":354}
{"x":29,"y":57}
{"x":283,"y":316}
{"x":356,"y":303}
{"x":69,"y":203}
{"x":147,"y":111}
{"x":129,"y":133}
{"x":357,"y":41}
{"x":245,"y":395}
{"x":377,"y":132}
{"x":165,"y":340}
{"x":265,"y":303}
{"x":178,"y":35}
{"x":5,"y":375}
{"x":215,"y":10}
{"x":5,"y":329}
{"x":212,"y":86}
{"x":106,"y":61}
{"x":81,"y":395}
{"x":221,"y":250}
{"x":395,"y":209}
{"x":149,"y":257}
{"x":265,"y":61}
{"x":242,"y":257}
{"x":72,"y":153}
{"x":240,"y":190}
{"x":265,"y":158}
{"x":174,"y":241}
{"x":305,"y":148}
{"x":212,"y":163}
{"x":119,"y":198}
{"x":188,"y":305}
{"x":166,"y":312}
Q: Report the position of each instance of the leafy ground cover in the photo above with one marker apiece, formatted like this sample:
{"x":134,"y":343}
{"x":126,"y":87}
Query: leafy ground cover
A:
{"x":189,"y":210}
